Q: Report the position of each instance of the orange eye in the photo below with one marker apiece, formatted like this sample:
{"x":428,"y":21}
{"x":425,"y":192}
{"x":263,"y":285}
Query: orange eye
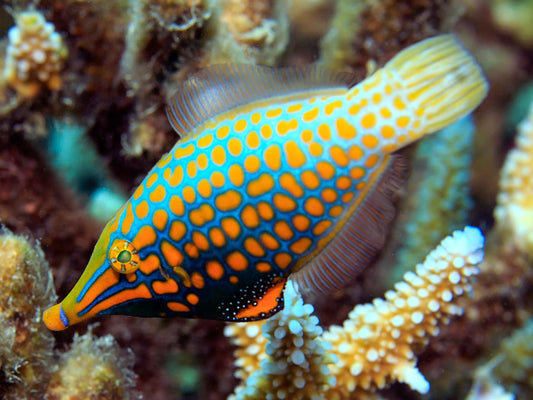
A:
{"x":123,"y":256}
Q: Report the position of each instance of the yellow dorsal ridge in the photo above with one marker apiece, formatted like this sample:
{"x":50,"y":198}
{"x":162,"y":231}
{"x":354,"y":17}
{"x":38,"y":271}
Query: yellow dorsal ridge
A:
{"x":220,"y":88}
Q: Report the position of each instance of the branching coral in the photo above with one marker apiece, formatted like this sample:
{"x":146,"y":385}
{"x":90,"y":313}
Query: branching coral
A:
{"x":514,"y":211}
{"x":26,"y":289}
{"x":94,"y":368}
{"x":376,"y":344}
{"x":35,"y":55}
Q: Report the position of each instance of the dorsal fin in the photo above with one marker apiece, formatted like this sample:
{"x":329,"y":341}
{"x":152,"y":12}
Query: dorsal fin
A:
{"x":223,"y":87}
{"x":359,"y":240}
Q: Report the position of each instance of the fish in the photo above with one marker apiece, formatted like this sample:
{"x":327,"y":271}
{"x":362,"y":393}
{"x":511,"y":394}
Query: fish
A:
{"x":278,"y":173}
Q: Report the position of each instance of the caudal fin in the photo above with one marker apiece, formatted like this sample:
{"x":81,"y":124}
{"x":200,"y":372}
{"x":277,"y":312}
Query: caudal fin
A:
{"x":440,"y":79}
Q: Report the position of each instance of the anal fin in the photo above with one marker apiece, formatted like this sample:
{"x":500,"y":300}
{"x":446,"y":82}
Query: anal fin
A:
{"x":361,"y":237}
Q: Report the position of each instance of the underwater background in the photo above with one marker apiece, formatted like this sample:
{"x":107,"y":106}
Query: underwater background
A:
{"x":83,"y":90}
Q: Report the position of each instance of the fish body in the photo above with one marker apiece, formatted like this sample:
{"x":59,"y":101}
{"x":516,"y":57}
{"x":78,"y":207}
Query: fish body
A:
{"x":280,"y":172}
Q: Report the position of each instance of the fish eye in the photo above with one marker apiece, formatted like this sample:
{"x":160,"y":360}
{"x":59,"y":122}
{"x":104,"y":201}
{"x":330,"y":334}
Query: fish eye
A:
{"x":123,"y":256}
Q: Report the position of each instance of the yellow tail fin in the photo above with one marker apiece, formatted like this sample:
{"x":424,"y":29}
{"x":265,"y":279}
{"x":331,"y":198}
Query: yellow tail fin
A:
{"x":440,"y":80}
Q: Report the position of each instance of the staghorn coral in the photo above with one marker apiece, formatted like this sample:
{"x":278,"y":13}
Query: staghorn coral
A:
{"x":94,"y":368}
{"x":514,"y":210}
{"x":25,"y":344}
{"x":440,"y":200}
{"x":376,"y":343}
{"x":294,"y":364}
{"x":35,"y":55}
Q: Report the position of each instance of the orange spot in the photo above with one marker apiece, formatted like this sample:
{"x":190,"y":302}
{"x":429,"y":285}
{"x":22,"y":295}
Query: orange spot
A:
{"x":249,"y":216}
{"x":310,"y":115}
{"x":217,"y":237}
{"x":253,"y":247}
{"x":128,"y":219}
{"x":178,"y":307}
{"x":176,"y":205}
{"x":324,"y":132}
{"x":284,"y":203}
{"x":252,"y":164}
{"x":345,"y":130}
{"x":167,"y":173}
{"x":354,"y":110}
{"x":388,"y":148}
{"x":236,"y":175}
{"x":233,"y":279}
{"x":200,"y":240}
{"x":357,"y":173}
{"x":177,"y":176}
{"x":339,"y":156}
{"x":165,"y":287}
{"x":321,"y":227}
{"x":165,"y":159}
{"x":402,"y":122}
{"x":160,"y":219}
{"x":325,"y":169}
{"x":283,"y":230}
{"x":228,"y":201}
{"x":335,"y":211}
{"x":197,"y":280}
{"x":188,"y":194}
{"x":240,"y":125}
{"x":315,"y":149}
{"x":149,"y":264}
{"x":191,"y":169}
{"x":191,"y":250}
{"x":387,"y":131}
{"x":368,"y":121}
{"x":204,"y":188}
{"x":314,"y":206}
{"x":218,"y":155}
{"x":376,"y":98}
{"x":289,"y":183}
{"x":266,"y":131}
{"x":329,"y":195}
{"x":138,"y":192}
{"x":263,"y":267}
{"x":268,"y":302}
{"x":355,"y":152}
{"x":294,"y":108}
{"x":269,"y":241}
{"x":343,"y":183}
{"x":306,"y":135}
{"x":371,"y":161}
{"x":398,"y":103}
{"x":282,"y":260}
{"x":141,"y":211}
{"x":273,"y":113}
{"x":231,"y":227}
{"x":222,"y":132}
{"x":301,"y":245}
{"x":151,"y":179}
{"x":205,"y":141}
{"x":192,"y":299}
{"x":370,"y":141}
{"x":301,"y":222}
{"x":347,"y":197}
{"x":237,"y":261}
{"x":255,"y":118}
{"x":385,"y":112}
{"x":181,"y":152}
{"x":217,"y":179}
{"x":234,"y":147}
{"x":265,"y":211}
{"x":295,"y":157}
{"x":360,"y":185}
{"x":172,"y":255}
{"x":202,"y":161}
{"x":388,"y":89}
{"x":158,"y":194}
{"x":310,"y":179}
{"x":252,"y":140}
{"x":177,"y":230}
{"x":131,"y":277}
{"x":261,"y":185}
{"x":329,"y":108}
{"x":145,"y":237}
{"x":272,"y":157}
{"x":214,"y":269}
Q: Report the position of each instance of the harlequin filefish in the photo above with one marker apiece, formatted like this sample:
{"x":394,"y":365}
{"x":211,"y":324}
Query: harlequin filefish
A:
{"x":279,"y":172}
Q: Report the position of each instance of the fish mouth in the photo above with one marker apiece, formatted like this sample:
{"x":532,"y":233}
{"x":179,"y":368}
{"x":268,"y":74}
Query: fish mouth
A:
{"x":55,"y":318}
